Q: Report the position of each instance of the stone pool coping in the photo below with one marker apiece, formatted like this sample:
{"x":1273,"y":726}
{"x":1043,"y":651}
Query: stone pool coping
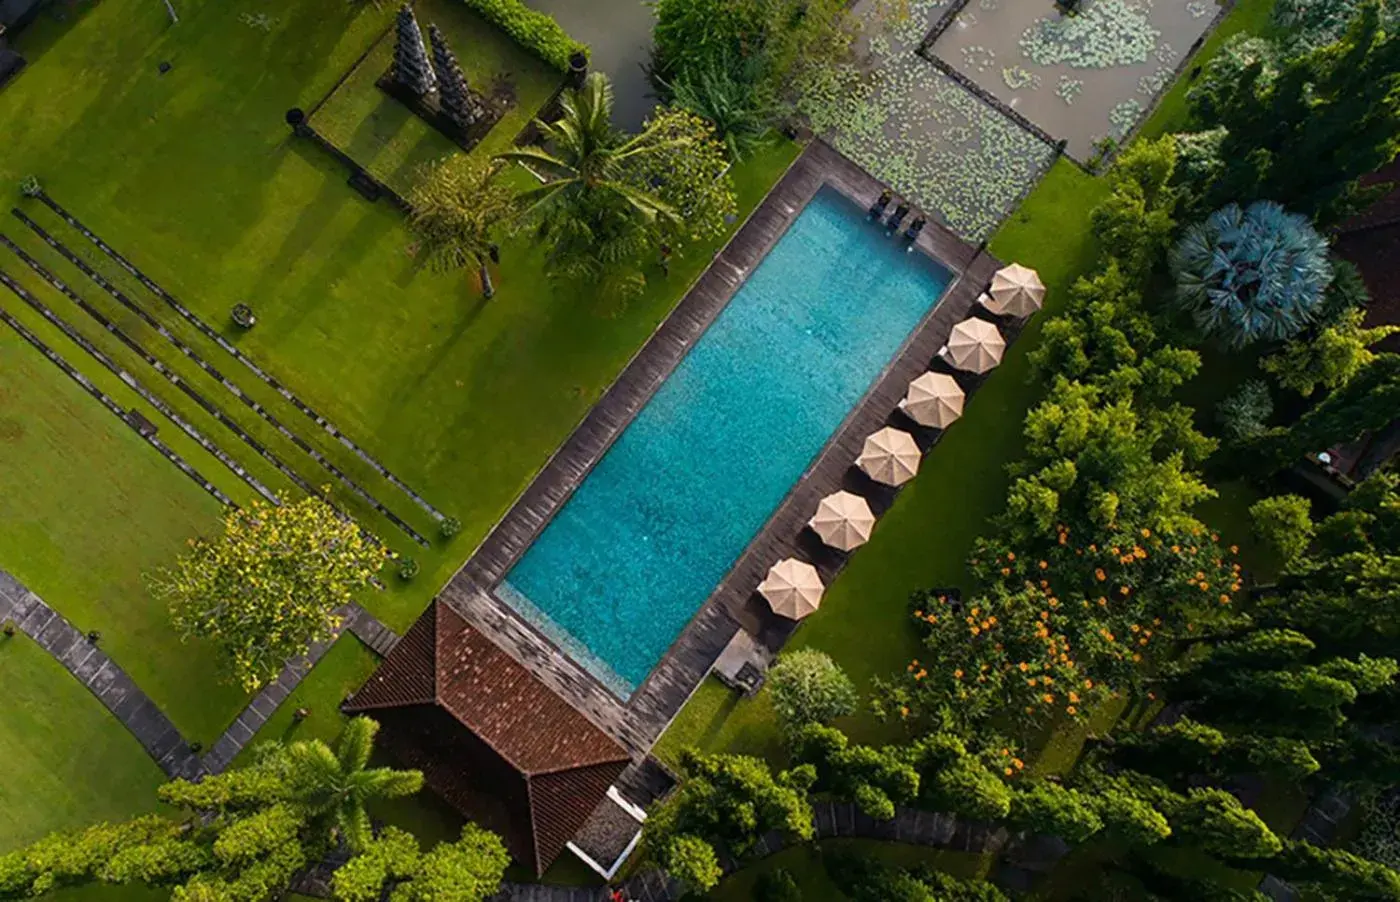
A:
{"x":638,"y":721}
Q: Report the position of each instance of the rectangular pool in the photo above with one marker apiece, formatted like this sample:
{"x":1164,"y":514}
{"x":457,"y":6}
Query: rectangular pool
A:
{"x":663,"y":516}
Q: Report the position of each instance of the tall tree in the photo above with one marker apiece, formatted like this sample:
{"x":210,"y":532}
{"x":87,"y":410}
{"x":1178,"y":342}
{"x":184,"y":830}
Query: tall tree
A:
{"x":596,"y":222}
{"x":457,"y":100}
{"x":242,"y":834}
{"x":459,"y":205}
{"x":1305,"y":136}
{"x":333,"y":787}
{"x":269,"y":587}
{"x":1366,"y":401}
{"x":1252,"y":274}
{"x":725,"y":805}
{"x":411,"y":66}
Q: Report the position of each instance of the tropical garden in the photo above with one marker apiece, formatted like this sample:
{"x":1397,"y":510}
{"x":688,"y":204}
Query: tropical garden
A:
{"x":1138,"y":640}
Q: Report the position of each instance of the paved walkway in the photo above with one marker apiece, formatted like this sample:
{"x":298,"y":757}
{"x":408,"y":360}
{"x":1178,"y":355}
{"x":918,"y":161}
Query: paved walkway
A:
{"x":246,"y":725}
{"x":120,"y":694}
{"x":95,"y":670}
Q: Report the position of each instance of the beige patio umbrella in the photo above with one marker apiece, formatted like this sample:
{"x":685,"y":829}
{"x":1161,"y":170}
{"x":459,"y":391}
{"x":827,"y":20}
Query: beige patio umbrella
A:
{"x":933,"y":399}
{"x":1016,"y":291}
{"x":975,"y":345}
{"x":793,"y":588}
{"x":843,"y":521}
{"x":890,"y":456}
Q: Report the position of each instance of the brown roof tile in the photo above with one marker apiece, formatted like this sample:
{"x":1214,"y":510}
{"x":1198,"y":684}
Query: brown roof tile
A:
{"x":527,"y":765}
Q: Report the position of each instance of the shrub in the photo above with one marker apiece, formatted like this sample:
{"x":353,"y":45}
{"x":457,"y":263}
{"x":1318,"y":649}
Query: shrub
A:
{"x":1284,"y":523}
{"x":535,"y":31}
{"x":1055,"y":810}
{"x":449,"y":527}
{"x":408,"y":568}
{"x":777,"y":886}
{"x":1245,"y":413}
{"x":1251,"y":274}
{"x":29,"y":186}
{"x":808,"y":687}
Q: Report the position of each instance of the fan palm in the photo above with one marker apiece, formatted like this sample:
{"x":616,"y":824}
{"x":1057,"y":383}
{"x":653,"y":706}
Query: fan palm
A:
{"x":457,"y":206}
{"x":587,"y":209}
{"x":729,"y":93}
{"x":332,"y":788}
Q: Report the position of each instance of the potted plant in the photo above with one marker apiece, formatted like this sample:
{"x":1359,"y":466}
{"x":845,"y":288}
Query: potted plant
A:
{"x":243,"y":316}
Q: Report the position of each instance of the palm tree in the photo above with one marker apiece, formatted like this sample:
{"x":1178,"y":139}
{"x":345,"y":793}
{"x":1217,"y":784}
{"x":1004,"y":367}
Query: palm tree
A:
{"x":332,"y":788}
{"x":457,"y":207}
{"x":593,"y":217}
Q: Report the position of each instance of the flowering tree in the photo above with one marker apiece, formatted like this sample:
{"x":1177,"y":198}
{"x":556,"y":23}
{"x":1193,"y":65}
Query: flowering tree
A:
{"x":1253,"y":274}
{"x":269,"y":587}
{"x":1055,"y":633}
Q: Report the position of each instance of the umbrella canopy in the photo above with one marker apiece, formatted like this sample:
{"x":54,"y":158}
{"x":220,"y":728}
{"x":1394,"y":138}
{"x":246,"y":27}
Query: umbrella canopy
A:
{"x":890,"y":456}
{"x":843,"y":521}
{"x":793,"y":588}
{"x":975,"y":345}
{"x":1016,"y":291}
{"x":933,"y":399}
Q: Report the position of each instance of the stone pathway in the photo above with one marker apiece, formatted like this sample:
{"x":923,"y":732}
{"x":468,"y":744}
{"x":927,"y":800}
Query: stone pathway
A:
{"x":1319,"y":827}
{"x":245,"y":726}
{"x":95,"y":670}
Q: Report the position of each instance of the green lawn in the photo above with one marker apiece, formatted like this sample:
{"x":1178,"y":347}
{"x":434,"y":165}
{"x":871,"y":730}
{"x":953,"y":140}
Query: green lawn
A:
{"x":67,"y":762}
{"x":804,"y":862}
{"x":386,"y":137}
{"x":925,"y":538}
{"x":462,"y":399}
{"x":85,"y":508}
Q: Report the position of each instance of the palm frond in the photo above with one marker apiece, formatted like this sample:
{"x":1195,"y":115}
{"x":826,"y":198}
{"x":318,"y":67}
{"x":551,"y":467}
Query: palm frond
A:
{"x":356,"y":743}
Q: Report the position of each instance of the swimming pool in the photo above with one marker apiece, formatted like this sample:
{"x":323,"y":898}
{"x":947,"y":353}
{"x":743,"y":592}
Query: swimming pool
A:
{"x":662,"y":517}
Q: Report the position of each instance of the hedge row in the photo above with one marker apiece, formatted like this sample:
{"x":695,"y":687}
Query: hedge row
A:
{"x":535,"y":31}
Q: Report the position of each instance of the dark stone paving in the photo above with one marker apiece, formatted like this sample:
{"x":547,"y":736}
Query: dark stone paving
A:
{"x":91,"y":666}
{"x":1318,"y":826}
{"x":245,"y":726}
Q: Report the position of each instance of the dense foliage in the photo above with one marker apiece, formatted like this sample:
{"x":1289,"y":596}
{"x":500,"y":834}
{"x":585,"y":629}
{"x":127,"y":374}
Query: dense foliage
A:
{"x":534,"y":30}
{"x":611,"y":202}
{"x":806,"y":686}
{"x":458,"y":206}
{"x":268,"y":588}
{"x":724,"y":805}
{"x":1253,"y":274}
{"x":242,"y":835}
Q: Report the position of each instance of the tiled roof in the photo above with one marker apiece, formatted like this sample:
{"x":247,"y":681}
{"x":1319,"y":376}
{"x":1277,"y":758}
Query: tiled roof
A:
{"x":524,"y":754}
{"x":508,"y":707}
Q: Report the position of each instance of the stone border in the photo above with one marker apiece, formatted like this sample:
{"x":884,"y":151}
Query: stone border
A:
{"x":115,"y":369}
{"x":121,"y":298}
{"x":95,"y":670}
{"x":238,"y":355}
{"x":355,"y":619}
{"x":116,"y":409}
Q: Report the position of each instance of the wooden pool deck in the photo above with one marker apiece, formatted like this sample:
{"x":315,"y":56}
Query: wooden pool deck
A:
{"x":640,"y":720}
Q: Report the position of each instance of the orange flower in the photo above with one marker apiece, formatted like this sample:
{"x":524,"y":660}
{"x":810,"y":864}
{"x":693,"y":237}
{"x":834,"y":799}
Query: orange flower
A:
{"x":1044,"y":565}
{"x":1023,"y":666}
{"x":1074,"y":696}
{"x":1093,"y":548}
{"x":1009,"y":771}
{"x":1224,"y":599}
{"x":1088,"y":684}
{"x":1018,"y":764}
{"x":1005,"y":753}
{"x":918,"y":613}
{"x":1176,"y":549}
{"x":1011,"y":555}
{"x":1137,"y":657}
{"x":1103,"y":602}
{"x":1099,"y":574}
{"x":1123,"y":590}
{"x":903,"y":711}
{"x":1234,"y":549}
{"x":1005,"y":571}
{"x":1071,"y":710}
{"x":958,"y":674}
{"x":1048,"y":698}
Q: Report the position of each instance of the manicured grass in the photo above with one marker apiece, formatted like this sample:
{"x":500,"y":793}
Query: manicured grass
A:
{"x":67,"y":762}
{"x":389,"y":140}
{"x":805,"y":864}
{"x":464,"y":400}
{"x":86,"y":508}
{"x":1248,"y":16}
{"x":925,"y":538}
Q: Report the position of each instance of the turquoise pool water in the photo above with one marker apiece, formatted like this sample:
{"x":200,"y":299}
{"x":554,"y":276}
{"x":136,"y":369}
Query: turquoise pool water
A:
{"x":660,"y":520}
